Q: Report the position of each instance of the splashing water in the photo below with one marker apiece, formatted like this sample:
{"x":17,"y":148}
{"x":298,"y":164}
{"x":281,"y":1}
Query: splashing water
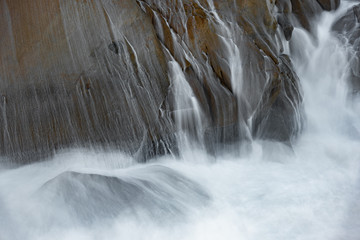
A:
{"x":308,"y":192}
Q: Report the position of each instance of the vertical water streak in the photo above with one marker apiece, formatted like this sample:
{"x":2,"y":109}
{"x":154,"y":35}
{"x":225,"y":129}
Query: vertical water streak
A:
{"x":188,"y":114}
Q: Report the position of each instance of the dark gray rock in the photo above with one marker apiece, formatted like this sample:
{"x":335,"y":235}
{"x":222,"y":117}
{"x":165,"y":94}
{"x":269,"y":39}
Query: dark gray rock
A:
{"x":285,"y":25}
{"x":281,"y":114}
{"x":347,"y":28}
{"x":329,"y":5}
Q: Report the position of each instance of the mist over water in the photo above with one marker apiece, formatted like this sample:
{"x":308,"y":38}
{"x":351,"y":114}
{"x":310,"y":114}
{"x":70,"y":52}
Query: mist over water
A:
{"x":309,"y":191}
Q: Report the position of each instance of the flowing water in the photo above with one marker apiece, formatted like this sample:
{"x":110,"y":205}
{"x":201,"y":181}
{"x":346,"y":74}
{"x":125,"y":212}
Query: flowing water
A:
{"x":310,"y":191}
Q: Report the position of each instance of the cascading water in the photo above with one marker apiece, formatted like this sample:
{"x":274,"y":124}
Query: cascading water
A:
{"x":309,"y":191}
{"x":188,"y":115}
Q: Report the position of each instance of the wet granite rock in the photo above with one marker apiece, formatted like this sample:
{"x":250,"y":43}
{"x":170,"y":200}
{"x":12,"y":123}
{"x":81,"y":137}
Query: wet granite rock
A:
{"x":286,"y":26}
{"x":347,"y":28}
{"x":254,"y":34}
{"x":96,"y":73}
{"x":329,"y":5}
{"x":64,"y":86}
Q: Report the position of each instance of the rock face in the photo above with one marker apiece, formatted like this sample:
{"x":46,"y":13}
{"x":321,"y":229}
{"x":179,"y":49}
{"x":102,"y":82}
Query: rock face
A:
{"x":62,"y":86}
{"x":348,"y":29}
{"x":106,"y":73}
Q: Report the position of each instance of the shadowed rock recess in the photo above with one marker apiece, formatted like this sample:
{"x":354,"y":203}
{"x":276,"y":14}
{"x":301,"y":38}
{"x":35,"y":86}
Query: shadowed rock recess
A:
{"x":97,"y":73}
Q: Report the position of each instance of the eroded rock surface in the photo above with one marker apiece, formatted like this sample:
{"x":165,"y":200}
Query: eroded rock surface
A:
{"x":101,"y":73}
{"x":61,"y":85}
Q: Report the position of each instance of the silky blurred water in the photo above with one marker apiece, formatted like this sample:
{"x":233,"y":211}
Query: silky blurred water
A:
{"x":309,"y":191}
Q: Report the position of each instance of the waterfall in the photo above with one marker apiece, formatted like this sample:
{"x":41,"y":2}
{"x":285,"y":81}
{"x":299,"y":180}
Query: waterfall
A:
{"x":303,"y":188}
